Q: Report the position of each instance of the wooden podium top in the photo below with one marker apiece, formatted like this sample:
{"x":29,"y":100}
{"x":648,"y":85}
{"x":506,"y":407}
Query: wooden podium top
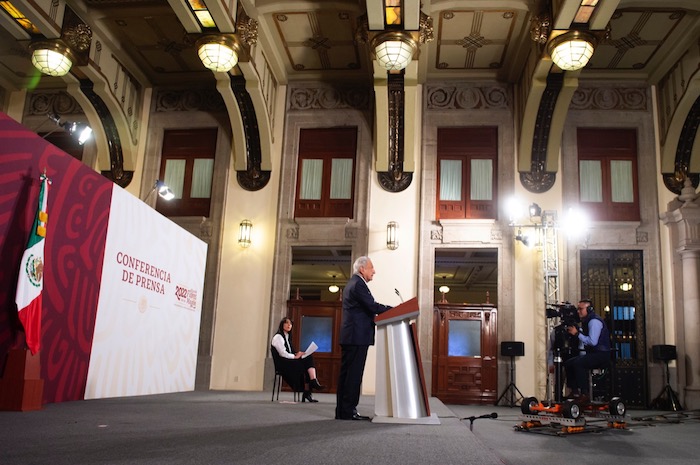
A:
{"x":406,"y":310}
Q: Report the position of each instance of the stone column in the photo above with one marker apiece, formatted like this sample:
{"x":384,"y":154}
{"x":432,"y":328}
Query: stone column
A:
{"x":691,"y":328}
{"x":683,"y":218}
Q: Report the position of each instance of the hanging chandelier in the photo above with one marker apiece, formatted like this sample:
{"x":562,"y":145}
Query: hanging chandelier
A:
{"x":572,"y":50}
{"x":52,"y":57}
{"x":218,"y":52}
{"x":394,"y":50}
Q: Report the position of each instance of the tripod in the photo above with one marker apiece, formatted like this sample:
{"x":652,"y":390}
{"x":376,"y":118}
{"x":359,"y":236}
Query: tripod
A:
{"x":667,"y":399}
{"x":511,"y":389}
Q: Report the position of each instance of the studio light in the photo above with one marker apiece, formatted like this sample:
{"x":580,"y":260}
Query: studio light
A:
{"x":525,"y":239}
{"x":392,"y":235}
{"x":81,"y":131}
{"x":394,"y":50}
{"x":163,"y":191}
{"x":572,"y":50}
{"x":218,"y":52}
{"x":244,"y":232}
{"x":52,"y":57}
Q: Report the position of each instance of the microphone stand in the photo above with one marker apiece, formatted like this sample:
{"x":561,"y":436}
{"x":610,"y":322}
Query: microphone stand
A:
{"x":472,"y":418}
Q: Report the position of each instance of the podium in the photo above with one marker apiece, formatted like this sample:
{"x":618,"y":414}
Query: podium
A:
{"x":401,"y":395}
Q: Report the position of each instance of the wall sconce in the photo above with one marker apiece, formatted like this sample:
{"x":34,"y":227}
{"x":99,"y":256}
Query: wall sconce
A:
{"x":52,"y":57}
{"x":394,"y":50}
{"x":392,"y":235}
{"x":333,"y":288}
{"x":572,"y":50}
{"x":80,"y":131}
{"x":244,"y":232}
{"x":535,"y":211}
{"x":218,"y":52}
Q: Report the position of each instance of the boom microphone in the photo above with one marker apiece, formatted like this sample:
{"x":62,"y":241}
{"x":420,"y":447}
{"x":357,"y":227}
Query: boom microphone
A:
{"x":398,"y":294}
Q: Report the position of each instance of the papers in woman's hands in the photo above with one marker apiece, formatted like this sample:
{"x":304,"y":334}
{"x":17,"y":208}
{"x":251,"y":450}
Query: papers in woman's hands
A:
{"x":310,"y":350}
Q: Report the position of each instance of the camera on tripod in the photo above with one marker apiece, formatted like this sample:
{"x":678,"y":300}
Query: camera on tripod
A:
{"x":566,"y":311}
{"x":562,"y":341}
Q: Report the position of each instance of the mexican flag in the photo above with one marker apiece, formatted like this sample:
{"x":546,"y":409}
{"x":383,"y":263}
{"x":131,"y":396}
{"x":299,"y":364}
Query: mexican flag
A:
{"x":31,"y":273}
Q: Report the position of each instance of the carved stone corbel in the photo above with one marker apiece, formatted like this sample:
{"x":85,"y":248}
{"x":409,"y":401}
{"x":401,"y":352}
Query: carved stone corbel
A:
{"x":253,"y":178}
{"x":395,"y":180}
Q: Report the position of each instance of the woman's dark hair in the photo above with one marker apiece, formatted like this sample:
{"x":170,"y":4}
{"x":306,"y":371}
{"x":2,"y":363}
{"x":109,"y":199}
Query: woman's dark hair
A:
{"x":280,"y":328}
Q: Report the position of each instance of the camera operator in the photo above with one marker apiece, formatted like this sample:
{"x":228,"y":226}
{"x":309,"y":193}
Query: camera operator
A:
{"x":595,"y":337}
{"x":563,"y":345}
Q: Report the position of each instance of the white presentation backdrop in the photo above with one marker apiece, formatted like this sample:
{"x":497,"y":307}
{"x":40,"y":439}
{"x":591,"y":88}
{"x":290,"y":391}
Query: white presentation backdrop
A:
{"x":148,"y":313}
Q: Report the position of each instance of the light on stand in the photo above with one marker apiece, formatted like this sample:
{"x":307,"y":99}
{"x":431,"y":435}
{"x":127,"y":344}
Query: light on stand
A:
{"x":81,"y":131}
{"x":244,"y":233}
{"x":525,"y":239}
{"x":163,"y":191}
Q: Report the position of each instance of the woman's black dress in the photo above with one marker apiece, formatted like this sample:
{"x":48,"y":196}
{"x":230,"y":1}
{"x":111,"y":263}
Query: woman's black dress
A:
{"x":293,"y":371}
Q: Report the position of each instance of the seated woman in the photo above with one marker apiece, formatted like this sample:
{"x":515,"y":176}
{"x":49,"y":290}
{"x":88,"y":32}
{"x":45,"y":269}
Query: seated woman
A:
{"x":295,"y":370}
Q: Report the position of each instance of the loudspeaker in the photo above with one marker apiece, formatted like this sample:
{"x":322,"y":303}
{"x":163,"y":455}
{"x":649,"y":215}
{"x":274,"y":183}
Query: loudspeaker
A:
{"x":664,"y":353}
{"x":512,"y":349}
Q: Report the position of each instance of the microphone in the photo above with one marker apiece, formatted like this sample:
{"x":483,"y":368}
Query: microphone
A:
{"x":472,"y":418}
{"x":398,"y":294}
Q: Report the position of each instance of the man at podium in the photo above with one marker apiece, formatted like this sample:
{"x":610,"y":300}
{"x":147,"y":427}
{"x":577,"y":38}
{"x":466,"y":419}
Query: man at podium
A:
{"x":356,"y":335}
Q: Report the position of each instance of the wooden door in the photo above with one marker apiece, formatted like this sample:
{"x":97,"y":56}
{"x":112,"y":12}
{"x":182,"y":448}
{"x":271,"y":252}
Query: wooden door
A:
{"x":319,"y":322}
{"x":465,"y":342}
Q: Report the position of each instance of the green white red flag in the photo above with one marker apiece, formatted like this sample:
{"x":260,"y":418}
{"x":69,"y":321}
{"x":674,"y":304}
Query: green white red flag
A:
{"x":31,"y":273}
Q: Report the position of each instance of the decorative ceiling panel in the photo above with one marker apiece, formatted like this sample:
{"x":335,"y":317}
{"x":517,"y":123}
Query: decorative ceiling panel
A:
{"x":474,"y":39}
{"x":320,"y":40}
{"x":637,"y":37}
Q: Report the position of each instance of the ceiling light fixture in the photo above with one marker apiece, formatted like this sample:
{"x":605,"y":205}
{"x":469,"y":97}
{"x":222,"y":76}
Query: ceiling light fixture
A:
{"x":572,"y":50}
{"x":218,"y":53}
{"x":333,"y":288}
{"x":394,"y":50}
{"x":52,"y":57}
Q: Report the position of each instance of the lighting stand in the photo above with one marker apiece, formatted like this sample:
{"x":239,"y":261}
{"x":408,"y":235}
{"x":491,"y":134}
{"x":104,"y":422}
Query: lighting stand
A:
{"x":511,"y":389}
{"x":667,"y":398}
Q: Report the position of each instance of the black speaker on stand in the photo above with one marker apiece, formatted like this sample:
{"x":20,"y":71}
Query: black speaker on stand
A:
{"x":667,"y":398}
{"x":511,"y":349}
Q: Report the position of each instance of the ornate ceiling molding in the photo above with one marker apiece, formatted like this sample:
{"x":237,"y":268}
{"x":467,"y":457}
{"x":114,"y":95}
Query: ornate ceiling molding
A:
{"x":330,"y":98}
{"x":465,"y":97}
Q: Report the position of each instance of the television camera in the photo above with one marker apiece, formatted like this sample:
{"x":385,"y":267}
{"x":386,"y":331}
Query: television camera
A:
{"x":561,"y":340}
{"x":566,"y":311}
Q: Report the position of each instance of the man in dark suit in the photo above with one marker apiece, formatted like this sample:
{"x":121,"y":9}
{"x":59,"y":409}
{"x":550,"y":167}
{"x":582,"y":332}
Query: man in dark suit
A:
{"x":356,"y":335}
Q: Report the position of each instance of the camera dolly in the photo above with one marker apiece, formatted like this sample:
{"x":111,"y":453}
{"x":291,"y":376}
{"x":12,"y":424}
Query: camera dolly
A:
{"x":570,"y":416}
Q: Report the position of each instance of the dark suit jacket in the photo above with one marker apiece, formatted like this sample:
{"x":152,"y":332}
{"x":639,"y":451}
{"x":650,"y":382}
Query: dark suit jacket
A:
{"x":359,"y":309}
